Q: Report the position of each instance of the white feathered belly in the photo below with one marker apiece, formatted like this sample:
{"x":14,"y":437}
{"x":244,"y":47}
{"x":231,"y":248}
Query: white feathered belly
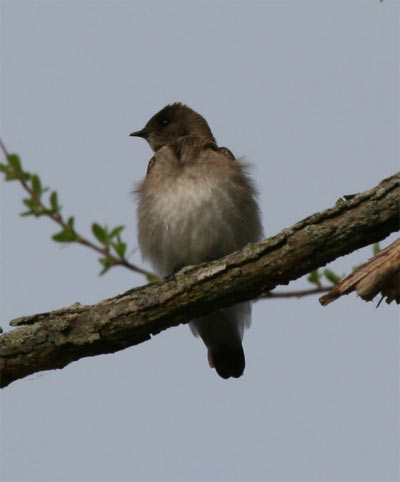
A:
{"x":190,"y":224}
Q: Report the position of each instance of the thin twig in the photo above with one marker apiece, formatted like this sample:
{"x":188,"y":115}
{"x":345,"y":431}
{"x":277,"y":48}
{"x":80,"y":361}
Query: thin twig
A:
{"x":3,"y":148}
{"x":294,"y":294}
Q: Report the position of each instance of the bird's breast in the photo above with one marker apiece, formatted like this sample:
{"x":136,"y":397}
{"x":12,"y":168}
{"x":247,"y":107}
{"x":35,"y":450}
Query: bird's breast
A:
{"x":185,"y":221}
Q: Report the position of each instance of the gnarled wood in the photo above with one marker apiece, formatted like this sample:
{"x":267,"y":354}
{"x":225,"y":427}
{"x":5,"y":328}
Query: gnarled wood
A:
{"x":381,"y":274}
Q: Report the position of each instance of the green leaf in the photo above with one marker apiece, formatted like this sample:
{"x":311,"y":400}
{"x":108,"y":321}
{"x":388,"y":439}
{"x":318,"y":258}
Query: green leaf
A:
{"x":100,"y":233}
{"x":30,"y":203}
{"x":15,"y":163}
{"x":314,"y":277}
{"x":116,"y":231}
{"x":376,"y":248}
{"x":10,"y":176}
{"x":36,"y":185}
{"x":54,"y":201}
{"x":66,"y":236}
{"x":70,"y":222}
{"x":331,"y":276}
{"x":151,"y":278}
{"x":107,"y":264}
{"x":120,"y":248}
{"x":4,"y":167}
{"x":34,"y":207}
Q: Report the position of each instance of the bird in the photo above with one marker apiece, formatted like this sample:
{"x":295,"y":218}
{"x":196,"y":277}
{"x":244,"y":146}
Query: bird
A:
{"x":197,"y":203}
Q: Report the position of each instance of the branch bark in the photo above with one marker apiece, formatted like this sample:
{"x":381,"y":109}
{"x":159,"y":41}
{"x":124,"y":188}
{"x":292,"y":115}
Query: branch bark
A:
{"x":55,"y":339}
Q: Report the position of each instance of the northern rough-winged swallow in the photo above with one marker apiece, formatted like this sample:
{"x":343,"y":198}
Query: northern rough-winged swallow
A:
{"x":197,"y":204}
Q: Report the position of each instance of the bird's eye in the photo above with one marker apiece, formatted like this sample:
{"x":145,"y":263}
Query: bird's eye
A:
{"x":164,"y":122}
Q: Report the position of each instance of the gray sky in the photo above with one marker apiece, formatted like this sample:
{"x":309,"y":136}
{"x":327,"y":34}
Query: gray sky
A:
{"x":309,"y":93}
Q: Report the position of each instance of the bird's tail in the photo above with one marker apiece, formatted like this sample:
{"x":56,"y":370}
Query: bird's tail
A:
{"x":228,"y":361}
{"x":222,"y":333}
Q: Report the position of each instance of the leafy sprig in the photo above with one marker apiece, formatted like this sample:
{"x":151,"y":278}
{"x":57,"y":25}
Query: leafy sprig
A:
{"x":109,"y":241}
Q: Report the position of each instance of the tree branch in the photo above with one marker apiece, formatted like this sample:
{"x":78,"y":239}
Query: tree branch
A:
{"x":53,"y":340}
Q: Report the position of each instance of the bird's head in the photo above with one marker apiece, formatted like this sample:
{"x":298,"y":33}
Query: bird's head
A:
{"x":174,"y":121}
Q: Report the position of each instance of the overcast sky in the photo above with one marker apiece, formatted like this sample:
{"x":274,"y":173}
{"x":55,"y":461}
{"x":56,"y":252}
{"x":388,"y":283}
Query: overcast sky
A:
{"x":308,"y":92}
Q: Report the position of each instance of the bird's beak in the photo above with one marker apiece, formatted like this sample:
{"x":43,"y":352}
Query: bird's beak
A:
{"x":142,"y":133}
